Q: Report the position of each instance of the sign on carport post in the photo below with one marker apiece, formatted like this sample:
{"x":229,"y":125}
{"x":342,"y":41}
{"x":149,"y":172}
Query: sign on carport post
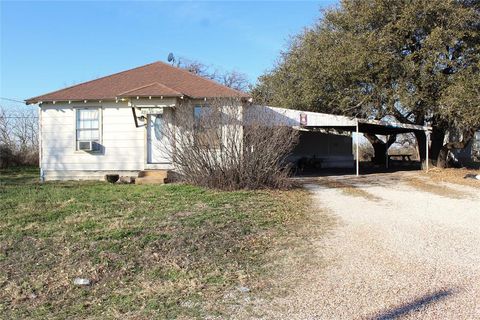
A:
{"x":303,"y":119}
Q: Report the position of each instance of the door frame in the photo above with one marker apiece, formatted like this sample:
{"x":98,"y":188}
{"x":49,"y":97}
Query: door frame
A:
{"x":147,"y":165}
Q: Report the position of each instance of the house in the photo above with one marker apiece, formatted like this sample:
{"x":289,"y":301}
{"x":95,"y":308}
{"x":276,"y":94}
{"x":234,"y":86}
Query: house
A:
{"x":114,"y":124}
{"x":94,"y":128}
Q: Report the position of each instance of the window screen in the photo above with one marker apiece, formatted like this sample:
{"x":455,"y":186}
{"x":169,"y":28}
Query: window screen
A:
{"x":208,"y":131}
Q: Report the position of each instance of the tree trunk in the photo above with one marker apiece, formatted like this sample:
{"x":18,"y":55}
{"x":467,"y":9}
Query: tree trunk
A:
{"x":380,"y":148}
{"x":437,"y":156}
{"x":442,"y":161}
{"x":436,"y":142}
{"x":421,"y":142}
{"x":438,"y":152}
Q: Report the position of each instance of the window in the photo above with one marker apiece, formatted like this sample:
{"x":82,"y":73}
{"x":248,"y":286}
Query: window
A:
{"x":208,"y":131}
{"x":88,"y":127}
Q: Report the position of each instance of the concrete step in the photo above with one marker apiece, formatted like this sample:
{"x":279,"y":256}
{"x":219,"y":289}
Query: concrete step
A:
{"x":153,"y":173}
{"x":152,"y":177}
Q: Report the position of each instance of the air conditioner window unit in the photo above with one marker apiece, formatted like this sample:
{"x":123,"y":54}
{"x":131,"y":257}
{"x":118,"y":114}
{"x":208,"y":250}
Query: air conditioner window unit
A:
{"x":85,"y":145}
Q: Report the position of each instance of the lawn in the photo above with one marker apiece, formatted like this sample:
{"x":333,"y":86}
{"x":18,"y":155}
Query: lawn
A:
{"x":160,"y":251}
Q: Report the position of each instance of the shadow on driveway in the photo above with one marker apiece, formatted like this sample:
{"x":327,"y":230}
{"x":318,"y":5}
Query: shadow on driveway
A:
{"x":415,"y":305}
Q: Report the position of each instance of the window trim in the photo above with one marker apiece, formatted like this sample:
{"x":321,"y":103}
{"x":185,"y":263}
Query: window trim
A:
{"x":100,"y":129}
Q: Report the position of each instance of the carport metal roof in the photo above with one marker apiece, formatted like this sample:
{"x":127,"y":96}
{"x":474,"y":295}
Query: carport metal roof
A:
{"x":305,"y":120}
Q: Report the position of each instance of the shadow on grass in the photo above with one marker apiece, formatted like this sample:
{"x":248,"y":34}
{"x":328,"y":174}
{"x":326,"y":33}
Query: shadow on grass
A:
{"x":415,"y":305}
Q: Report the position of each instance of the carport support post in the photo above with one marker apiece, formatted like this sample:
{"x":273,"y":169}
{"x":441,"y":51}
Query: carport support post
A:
{"x":427,"y":143}
{"x":386,"y":151}
{"x":357,"y":160}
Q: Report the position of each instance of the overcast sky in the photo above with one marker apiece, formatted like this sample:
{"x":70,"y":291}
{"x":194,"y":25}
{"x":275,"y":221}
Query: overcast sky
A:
{"x":46,"y":46}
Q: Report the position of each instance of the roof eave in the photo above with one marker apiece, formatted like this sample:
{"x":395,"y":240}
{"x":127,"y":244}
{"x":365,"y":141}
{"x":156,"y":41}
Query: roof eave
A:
{"x":180,"y":95}
{"x":36,"y":100}
{"x":152,"y":96}
{"x":222,"y":97}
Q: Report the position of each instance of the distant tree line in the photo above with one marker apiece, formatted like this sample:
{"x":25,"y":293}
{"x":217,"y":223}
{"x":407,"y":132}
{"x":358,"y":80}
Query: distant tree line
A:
{"x":18,"y":137}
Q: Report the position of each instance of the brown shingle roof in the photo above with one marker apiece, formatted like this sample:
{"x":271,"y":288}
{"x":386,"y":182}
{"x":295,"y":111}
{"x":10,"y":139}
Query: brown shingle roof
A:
{"x":154,"y":79}
{"x":151,"y":90}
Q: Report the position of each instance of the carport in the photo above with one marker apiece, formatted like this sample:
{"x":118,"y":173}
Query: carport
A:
{"x":385,"y":128}
{"x":311,"y":121}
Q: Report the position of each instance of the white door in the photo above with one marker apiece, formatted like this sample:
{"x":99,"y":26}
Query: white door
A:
{"x":158,"y":146}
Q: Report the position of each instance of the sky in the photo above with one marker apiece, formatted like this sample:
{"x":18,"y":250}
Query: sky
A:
{"x":46,"y":46}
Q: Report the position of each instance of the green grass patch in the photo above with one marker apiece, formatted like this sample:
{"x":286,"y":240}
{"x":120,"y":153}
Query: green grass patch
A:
{"x":163,"y":251}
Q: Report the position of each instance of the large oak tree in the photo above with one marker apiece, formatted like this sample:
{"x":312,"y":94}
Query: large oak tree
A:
{"x":415,"y":60}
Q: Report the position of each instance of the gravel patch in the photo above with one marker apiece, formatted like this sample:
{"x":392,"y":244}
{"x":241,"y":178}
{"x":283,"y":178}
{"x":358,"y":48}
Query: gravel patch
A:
{"x":411,"y":255}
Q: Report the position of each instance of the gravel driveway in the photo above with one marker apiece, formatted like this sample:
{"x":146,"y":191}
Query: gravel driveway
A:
{"x":398,"y":252}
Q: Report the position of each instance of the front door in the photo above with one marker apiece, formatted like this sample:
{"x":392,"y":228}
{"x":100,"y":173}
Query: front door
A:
{"x":158,"y":146}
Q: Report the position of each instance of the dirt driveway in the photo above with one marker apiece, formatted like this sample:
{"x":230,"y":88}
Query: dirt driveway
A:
{"x":404,"y":248}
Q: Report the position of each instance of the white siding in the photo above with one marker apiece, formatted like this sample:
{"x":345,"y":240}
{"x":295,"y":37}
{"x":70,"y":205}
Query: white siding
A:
{"x":123,"y":143}
{"x":290,"y":117}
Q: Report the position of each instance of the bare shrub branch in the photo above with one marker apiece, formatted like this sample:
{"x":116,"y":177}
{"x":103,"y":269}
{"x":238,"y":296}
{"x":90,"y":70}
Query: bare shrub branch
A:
{"x":222,"y":145}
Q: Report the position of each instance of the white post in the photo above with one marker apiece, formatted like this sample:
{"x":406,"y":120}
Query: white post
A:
{"x":357,"y":160}
{"x":40,"y":148}
{"x":427,"y":143}
{"x":386,"y":151}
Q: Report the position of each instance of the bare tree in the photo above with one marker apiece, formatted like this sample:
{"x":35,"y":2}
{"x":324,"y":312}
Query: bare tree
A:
{"x":219,"y":145}
{"x":232,"y":79}
{"x":235,"y":80}
{"x":197,"y":67}
{"x":18,"y":137}
{"x":6,"y":126}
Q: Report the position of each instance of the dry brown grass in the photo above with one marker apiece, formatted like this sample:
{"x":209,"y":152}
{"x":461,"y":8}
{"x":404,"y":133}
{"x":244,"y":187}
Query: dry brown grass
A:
{"x":456,"y":176}
{"x":438,"y":189}
{"x":291,"y":259}
{"x":436,"y":181}
{"x":348,"y":189}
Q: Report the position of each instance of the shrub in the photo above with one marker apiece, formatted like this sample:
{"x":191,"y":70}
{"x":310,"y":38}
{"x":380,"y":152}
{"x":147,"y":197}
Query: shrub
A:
{"x":7,"y":157}
{"x":223,"y":145}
